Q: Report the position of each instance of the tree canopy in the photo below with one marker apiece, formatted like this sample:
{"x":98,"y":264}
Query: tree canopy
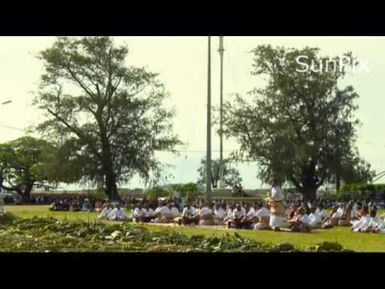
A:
{"x":25,"y":163}
{"x":300,"y":125}
{"x":109,"y":117}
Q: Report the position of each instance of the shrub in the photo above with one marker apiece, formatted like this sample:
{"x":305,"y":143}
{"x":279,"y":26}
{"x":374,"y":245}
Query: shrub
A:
{"x":328,"y":247}
{"x":6,"y":218}
{"x":284,"y":247}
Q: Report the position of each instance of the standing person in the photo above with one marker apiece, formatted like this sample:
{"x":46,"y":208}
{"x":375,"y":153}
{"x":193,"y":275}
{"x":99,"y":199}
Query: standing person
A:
{"x":277,"y":208}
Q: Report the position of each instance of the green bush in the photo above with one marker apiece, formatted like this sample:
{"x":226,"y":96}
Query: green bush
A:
{"x":328,"y":247}
{"x":284,"y":247}
{"x":6,"y":218}
{"x":52,"y":235}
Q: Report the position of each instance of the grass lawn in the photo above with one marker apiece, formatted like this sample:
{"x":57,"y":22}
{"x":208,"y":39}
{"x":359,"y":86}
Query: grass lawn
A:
{"x":363,"y":242}
{"x":30,"y":211}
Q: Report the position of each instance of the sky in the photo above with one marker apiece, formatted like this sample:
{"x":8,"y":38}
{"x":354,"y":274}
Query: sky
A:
{"x":182,"y":66}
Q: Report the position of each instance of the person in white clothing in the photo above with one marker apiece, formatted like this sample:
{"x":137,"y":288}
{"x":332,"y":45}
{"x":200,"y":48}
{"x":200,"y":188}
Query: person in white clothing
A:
{"x":139,"y":213}
{"x":263,"y":215}
{"x":304,"y":218}
{"x":237,"y":217}
{"x":189,"y":216}
{"x":251,"y":212}
{"x":150,"y":213}
{"x":174,"y":210}
{"x":163,"y":214}
{"x":299,"y":223}
{"x":206,"y":216}
{"x":117,"y":214}
{"x":363,"y":223}
{"x":229,"y":213}
{"x":105,"y":212}
{"x":277,"y":209}
{"x":346,"y":216}
{"x":321,"y":212}
{"x":333,"y":219}
{"x":219,"y":214}
{"x":249,"y":218}
{"x":315,"y":220}
{"x":340,"y":211}
{"x":375,"y":223}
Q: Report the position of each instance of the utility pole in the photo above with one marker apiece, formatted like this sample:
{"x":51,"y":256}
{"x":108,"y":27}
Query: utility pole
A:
{"x":208,"y":152}
{"x":221,"y":168}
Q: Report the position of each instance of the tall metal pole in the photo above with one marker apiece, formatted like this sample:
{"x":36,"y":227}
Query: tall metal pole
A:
{"x":221,"y":50}
{"x":208,"y":152}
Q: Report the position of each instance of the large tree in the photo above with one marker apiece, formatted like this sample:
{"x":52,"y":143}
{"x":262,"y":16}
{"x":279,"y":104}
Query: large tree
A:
{"x":300,"y":124}
{"x":231,"y":176}
{"x":108,"y":115}
{"x":25,"y":163}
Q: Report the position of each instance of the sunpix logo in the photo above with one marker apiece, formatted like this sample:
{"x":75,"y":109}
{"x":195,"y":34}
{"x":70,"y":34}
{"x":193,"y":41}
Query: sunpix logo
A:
{"x":342,"y":63}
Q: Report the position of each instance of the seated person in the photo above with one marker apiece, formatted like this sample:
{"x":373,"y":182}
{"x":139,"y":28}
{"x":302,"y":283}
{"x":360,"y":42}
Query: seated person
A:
{"x":206,"y":216}
{"x":237,"y":217}
{"x":337,"y":215}
{"x":149,"y":213}
{"x":87,"y":206}
{"x":54,"y":206}
{"x":105,"y":212}
{"x":250,"y":218}
{"x":320,"y":211}
{"x":163,"y":214}
{"x":315,"y":220}
{"x":59,"y":205}
{"x":346,"y":217}
{"x":299,"y":223}
{"x":289,"y":213}
{"x":362,"y":224}
{"x":373,"y":223}
{"x":65,"y":205}
{"x":189,"y":216}
{"x":229,"y":213}
{"x":355,"y":212}
{"x":139,"y":213}
{"x":118,"y":214}
{"x":263,"y":215}
{"x":75,"y":205}
{"x":219,"y":214}
{"x":98,"y":206}
{"x":332,"y":220}
{"x":174,"y":210}
{"x":376,"y":224}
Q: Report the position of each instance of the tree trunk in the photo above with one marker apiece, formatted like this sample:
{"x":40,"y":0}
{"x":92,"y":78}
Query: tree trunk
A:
{"x":309,"y":183}
{"x":309,"y":193}
{"x":338,"y":182}
{"x":111,"y":189}
{"x":27,"y":192}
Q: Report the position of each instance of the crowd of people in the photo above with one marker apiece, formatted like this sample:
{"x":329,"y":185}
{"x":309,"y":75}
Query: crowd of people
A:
{"x":273,"y":213}
{"x":298,"y":216}
{"x":76,"y":204}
